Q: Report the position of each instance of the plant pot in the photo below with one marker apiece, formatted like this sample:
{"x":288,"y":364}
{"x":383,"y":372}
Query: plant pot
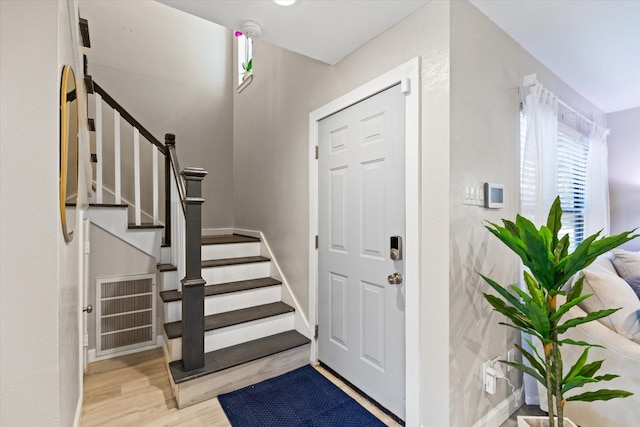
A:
{"x":527,"y":421}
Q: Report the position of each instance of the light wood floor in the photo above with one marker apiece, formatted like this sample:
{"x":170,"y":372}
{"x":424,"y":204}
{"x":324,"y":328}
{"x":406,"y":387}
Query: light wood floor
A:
{"x":134,"y":390}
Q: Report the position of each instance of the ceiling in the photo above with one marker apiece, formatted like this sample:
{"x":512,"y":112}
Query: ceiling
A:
{"x":592,"y":45}
{"x":326,"y":30}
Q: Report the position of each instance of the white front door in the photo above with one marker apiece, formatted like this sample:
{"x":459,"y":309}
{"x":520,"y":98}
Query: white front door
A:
{"x":361,"y":322}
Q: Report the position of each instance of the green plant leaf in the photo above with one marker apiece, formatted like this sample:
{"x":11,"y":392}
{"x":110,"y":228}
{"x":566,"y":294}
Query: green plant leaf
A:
{"x":511,"y":227}
{"x":610,"y":242}
{"x":527,"y":370}
{"x":576,"y":289}
{"x":578,"y":381}
{"x":505,"y":294}
{"x":564,"y":308}
{"x":603,"y":394}
{"x":513,"y":314}
{"x":580,"y":343}
{"x":539,"y":319}
{"x":529,"y":331}
{"x":562,"y":248}
{"x":525,"y":297}
{"x":590,"y":369}
{"x":577,"y":260}
{"x":534,"y":289}
{"x":554,"y":221}
{"x":535,"y":363}
{"x":514,"y":243}
{"x":577,"y":367}
{"x":590,"y":317}
{"x":535,"y":351}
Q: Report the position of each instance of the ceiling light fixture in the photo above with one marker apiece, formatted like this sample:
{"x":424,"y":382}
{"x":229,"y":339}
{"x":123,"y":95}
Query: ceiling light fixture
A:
{"x":284,"y":2}
{"x":251,"y":29}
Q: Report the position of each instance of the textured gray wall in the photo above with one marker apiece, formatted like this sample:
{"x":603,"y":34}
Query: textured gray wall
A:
{"x":624,"y":175}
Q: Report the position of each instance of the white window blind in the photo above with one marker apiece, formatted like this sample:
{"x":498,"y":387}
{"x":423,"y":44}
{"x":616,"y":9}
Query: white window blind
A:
{"x":571,"y":178}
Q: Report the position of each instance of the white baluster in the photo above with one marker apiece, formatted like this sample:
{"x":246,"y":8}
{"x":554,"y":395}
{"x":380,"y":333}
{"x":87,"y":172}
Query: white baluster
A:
{"x":156,"y":216}
{"x":136,"y":173}
{"x":98,"y":99}
{"x":116,"y":155}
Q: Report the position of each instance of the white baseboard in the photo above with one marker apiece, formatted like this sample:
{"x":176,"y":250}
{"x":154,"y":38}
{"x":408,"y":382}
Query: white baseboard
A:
{"x":76,"y":419}
{"x":498,"y":415}
{"x":216,"y":231}
{"x":250,"y":233}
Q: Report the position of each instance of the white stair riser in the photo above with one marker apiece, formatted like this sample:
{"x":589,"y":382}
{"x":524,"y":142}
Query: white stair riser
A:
{"x":165,"y":255}
{"x":237,"y":334}
{"x":169,"y":280}
{"x":230,"y":250}
{"x":227,"y":302}
{"x":235,"y":273}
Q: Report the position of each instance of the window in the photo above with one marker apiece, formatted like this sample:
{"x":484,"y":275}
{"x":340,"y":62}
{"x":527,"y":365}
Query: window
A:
{"x":571,"y":179}
{"x":245,"y":55}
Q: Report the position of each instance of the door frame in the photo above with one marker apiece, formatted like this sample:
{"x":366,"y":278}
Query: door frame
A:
{"x":408,"y":76}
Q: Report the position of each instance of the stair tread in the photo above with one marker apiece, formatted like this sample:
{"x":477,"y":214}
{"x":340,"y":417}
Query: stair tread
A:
{"x":224,"y":288}
{"x":108,"y":205}
{"x":229,"y":357}
{"x":144,"y":225}
{"x":166,"y":267}
{"x":234,"y":317}
{"x":228,"y":238}
{"x":233,"y":261}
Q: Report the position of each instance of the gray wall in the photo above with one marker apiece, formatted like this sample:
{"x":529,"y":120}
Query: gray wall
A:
{"x":173,"y":72}
{"x":624,"y":174}
{"x":487,"y":67}
{"x":39,"y":272}
{"x":271,"y":162}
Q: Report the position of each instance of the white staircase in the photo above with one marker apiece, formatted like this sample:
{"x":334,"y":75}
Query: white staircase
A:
{"x":246,"y":323}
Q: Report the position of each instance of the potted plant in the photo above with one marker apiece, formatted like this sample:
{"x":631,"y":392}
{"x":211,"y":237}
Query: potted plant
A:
{"x":538,"y":311}
{"x":247,"y":67}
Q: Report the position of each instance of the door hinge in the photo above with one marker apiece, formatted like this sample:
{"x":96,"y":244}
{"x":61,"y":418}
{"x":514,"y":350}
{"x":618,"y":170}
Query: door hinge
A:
{"x":87,"y":247}
{"x":316,"y":152}
{"x":405,"y":86}
{"x":316,"y":241}
{"x":315,"y":335}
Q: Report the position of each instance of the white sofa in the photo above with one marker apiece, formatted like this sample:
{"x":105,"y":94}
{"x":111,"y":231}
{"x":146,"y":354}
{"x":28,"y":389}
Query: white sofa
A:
{"x":618,"y":333}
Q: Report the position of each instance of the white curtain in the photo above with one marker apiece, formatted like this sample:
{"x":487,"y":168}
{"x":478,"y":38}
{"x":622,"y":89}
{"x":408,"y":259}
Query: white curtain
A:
{"x":596,"y":210}
{"x":540,"y":159}
{"x":539,"y":176}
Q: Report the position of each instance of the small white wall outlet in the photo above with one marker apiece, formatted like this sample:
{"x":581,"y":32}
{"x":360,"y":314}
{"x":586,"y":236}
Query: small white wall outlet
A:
{"x":489,"y":377}
{"x":511,"y":357}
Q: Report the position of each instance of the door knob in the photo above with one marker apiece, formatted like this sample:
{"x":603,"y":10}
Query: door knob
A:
{"x":395,"y":278}
{"x":88,"y":308}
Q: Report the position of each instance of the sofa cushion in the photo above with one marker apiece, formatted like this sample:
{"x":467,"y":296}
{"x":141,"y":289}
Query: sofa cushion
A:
{"x":627,"y":263}
{"x":634,"y":282}
{"x":611,"y":291}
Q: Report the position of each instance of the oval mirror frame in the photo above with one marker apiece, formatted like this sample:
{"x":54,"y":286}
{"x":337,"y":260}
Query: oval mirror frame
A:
{"x":68,"y":150}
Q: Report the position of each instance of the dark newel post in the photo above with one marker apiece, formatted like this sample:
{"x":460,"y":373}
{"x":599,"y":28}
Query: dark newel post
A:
{"x":193,"y":284}
{"x":169,"y":143}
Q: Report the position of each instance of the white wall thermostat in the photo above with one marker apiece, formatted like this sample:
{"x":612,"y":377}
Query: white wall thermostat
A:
{"x":493,"y":195}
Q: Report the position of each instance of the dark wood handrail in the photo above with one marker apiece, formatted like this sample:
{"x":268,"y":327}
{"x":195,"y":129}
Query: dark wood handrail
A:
{"x":189,"y":183}
{"x":129,"y":118}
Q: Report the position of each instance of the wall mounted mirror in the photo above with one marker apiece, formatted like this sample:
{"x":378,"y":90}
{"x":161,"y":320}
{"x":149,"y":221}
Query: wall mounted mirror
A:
{"x":68,"y":151}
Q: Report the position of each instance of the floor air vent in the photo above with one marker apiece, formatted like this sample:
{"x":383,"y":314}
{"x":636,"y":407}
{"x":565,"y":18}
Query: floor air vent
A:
{"x":125,"y":313}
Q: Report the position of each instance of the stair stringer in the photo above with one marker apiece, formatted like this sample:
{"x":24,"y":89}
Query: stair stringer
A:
{"x":115,"y":221}
{"x":301,"y":319}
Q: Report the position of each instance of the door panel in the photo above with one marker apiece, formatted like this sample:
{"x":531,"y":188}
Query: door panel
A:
{"x":361,"y":205}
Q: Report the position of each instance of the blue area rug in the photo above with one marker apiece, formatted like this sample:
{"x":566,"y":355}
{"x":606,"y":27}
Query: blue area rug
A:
{"x":298,"y":398}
